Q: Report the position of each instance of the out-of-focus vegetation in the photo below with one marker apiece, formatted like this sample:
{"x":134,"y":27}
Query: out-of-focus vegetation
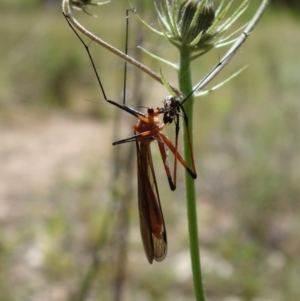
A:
{"x":293,"y":4}
{"x":246,"y":147}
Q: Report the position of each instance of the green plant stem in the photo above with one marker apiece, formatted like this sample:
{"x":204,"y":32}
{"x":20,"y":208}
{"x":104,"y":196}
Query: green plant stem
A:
{"x":185,"y":84}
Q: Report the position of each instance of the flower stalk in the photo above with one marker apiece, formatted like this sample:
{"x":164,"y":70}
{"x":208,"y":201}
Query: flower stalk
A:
{"x":185,"y":84}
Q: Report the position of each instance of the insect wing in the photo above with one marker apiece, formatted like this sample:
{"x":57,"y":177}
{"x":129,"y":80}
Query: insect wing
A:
{"x":152,"y":225}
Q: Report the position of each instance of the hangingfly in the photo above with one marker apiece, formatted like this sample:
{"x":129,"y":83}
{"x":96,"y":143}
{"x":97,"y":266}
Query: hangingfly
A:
{"x":147,"y":129}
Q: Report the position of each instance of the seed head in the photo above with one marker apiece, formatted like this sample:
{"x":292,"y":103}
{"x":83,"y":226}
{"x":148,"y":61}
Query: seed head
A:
{"x":194,"y":19}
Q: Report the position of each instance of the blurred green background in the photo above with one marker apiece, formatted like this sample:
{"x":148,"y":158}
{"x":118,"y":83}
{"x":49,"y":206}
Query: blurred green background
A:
{"x":66,"y":231}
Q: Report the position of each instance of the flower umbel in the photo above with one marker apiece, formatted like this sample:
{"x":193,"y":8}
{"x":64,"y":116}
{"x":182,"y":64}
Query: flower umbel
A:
{"x":196,"y":24}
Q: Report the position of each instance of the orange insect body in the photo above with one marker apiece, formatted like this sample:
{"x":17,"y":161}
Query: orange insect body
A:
{"x":150,"y":124}
{"x":147,"y":129}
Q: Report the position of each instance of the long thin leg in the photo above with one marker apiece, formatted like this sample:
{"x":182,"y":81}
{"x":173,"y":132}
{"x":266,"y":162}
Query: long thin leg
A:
{"x":90,"y":56}
{"x":189,"y":138}
{"x":164,"y":157}
{"x":172,"y":148}
{"x":126,"y":52}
